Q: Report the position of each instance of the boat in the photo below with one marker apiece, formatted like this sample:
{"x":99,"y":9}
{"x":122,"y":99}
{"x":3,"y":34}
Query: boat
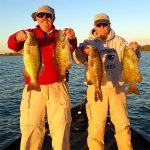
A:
{"x":78,"y":136}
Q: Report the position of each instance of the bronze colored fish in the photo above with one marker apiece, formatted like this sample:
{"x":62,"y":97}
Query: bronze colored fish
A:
{"x":95,"y":69}
{"x":130,"y":71}
{"x":62,"y":55}
{"x":32,"y":61}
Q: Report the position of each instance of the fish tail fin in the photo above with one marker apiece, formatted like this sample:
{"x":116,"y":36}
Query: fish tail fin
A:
{"x":34,"y":86}
{"x":62,"y":78}
{"x":98,"y":94}
{"x":132,"y":89}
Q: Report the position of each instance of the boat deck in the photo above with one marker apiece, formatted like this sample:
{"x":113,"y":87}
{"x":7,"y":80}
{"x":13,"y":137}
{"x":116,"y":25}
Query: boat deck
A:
{"x":78,"y":136}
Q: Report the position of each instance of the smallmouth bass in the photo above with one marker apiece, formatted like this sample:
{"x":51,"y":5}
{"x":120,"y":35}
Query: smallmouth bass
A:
{"x":32,"y":61}
{"x":130,"y":71}
{"x":95,"y":69}
{"x":62,"y":55}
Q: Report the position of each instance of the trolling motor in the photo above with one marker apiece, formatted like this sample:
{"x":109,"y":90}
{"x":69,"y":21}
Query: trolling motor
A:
{"x":79,"y":121}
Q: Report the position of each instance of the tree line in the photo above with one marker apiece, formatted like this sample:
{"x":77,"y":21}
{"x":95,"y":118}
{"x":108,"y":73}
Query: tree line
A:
{"x":144,"y":47}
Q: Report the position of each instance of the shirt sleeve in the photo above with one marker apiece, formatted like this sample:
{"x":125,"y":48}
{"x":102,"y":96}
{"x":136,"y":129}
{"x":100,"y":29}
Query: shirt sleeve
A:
{"x":73,"y":44}
{"x":78,"y":56}
{"x":138,"y":54}
{"x":13,"y":44}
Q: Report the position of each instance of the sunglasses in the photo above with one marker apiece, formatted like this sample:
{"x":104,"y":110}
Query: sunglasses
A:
{"x":102,"y":24}
{"x":47,"y":15}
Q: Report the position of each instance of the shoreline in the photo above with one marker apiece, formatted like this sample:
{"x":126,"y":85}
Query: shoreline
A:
{"x":20,"y":54}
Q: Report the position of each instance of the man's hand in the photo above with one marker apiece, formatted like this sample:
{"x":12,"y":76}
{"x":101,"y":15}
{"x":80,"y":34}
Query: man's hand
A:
{"x":70,"y":33}
{"x":21,"y":36}
{"x":85,"y":50}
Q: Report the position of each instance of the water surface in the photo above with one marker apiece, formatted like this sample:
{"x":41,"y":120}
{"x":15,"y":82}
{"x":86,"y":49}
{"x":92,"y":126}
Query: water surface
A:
{"x":12,"y":82}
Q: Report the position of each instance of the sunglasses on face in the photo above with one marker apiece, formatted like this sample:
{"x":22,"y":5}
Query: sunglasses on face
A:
{"x":102,"y":24}
{"x":47,"y":15}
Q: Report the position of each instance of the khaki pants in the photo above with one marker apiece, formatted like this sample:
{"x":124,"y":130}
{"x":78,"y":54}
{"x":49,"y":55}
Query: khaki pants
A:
{"x":53,"y":99}
{"x":115,"y":100}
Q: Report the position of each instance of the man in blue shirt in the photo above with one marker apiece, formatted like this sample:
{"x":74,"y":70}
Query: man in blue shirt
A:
{"x":135,"y":47}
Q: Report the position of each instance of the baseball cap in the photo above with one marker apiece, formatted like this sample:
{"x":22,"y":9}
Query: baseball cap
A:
{"x":101,"y":18}
{"x":45,"y":9}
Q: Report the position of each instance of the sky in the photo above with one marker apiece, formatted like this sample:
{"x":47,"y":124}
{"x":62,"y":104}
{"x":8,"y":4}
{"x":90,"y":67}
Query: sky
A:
{"x":130,"y":19}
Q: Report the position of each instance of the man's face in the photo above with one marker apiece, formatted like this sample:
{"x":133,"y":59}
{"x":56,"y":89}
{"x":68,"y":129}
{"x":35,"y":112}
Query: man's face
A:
{"x":45,"y":21}
{"x":102,"y":30}
{"x":134,"y":46}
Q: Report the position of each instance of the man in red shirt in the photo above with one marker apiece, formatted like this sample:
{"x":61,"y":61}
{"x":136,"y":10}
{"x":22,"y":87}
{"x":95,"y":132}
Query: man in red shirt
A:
{"x":54,"y":96}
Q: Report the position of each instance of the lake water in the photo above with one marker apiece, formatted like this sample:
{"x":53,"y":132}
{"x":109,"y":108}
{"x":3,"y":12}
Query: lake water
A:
{"x":12,"y":82}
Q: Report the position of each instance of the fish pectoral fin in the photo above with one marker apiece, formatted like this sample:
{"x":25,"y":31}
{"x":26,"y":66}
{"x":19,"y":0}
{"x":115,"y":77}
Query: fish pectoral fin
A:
{"x":25,"y":73}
